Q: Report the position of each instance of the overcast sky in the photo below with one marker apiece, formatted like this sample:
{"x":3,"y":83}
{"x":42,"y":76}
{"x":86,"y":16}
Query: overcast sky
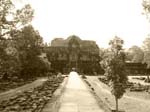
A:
{"x":98,"y":20}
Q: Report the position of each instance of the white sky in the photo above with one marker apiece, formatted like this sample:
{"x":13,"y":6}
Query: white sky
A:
{"x":98,"y":20}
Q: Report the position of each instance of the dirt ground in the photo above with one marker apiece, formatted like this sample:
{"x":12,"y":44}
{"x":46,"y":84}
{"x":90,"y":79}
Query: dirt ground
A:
{"x":130,"y":102}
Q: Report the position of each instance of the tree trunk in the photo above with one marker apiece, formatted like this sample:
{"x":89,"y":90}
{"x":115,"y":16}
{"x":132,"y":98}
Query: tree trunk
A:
{"x":148,"y":79}
{"x":116,"y":104}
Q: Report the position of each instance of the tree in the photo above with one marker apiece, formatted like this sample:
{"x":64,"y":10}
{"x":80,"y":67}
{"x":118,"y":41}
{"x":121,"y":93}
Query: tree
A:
{"x":146,"y":49}
{"x":114,"y":66}
{"x":102,"y":53}
{"x":146,"y":59}
{"x":146,"y":43}
{"x":10,"y":63}
{"x":146,"y":7}
{"x":29,"y":44}
{"x":11,"y":20}
{"x":135,"y":54}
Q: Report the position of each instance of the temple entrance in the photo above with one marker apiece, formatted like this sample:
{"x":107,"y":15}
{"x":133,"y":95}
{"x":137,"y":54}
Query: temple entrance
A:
{"x":73,"y":61}
{"x":73,"y":66}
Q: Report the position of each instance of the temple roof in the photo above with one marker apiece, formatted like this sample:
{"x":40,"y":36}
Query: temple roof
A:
{"x":60,"y":42}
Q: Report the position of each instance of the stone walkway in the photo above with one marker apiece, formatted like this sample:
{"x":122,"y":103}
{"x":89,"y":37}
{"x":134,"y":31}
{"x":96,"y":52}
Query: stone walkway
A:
{"x":77,"y":97}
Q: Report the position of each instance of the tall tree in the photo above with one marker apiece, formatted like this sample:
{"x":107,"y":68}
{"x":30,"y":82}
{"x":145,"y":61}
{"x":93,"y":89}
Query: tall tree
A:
{"x":146,"y":43}
{"x":146,"y":49}
{"x":146,"y":7}
{"x":29,"y":44}
{"x":146,"y":59}
{"x":114,"y":66}
{"x":11,"y":20}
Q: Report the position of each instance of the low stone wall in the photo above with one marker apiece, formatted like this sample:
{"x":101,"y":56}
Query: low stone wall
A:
{"x":54,"y":104}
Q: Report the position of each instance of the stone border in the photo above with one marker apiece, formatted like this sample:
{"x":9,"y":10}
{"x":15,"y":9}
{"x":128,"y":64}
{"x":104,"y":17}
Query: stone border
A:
{"x":54,"y":104}
{"x":101,"y":103}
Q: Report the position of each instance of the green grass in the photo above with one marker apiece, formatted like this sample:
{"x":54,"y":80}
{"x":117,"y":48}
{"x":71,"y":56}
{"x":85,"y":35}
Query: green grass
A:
{"x":131,"y":101}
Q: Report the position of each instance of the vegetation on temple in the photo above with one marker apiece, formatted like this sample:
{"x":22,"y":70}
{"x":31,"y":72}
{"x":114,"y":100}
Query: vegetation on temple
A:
{"x":73,"y":52}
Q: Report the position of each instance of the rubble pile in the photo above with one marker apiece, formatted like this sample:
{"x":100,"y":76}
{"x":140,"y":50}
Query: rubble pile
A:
{"x":132,"y":86}
{"x":104,"y":80}
{"x":32,"y":100}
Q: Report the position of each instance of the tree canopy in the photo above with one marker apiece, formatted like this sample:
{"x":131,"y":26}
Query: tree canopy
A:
{"x":12,"y":18}
{"x":20,"y":43}
{"x":146,"y":49}
{"x":135,"y":54}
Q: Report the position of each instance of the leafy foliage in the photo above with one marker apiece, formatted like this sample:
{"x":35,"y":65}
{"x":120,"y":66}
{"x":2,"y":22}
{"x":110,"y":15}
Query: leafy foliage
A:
{"x":146,"y":49}
{"x":12,"y":19}
{"x":29,"y":47}
{"x":10,"y":22}
{"x":20,"y":43}
{"x":135,"y":54}
{"x":146,"y":43}
{"x":146,"y":7}
{"x":114,"y":66}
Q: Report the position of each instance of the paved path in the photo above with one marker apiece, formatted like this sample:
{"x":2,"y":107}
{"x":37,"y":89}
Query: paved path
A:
{"x":13,"y":92}
{"x":77,"y":97}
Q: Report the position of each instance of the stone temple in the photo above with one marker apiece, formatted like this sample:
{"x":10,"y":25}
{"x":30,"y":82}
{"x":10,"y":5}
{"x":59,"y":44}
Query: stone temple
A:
{"x":74,"y":53}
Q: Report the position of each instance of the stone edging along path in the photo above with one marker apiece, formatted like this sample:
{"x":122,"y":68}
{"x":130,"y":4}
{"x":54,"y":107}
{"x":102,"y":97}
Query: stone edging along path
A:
{"x":101,"y":103}
{"x":54,"y":104}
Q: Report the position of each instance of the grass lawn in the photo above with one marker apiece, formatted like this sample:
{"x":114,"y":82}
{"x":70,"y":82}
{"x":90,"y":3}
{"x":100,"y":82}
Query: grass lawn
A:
{"x":130,"y":102}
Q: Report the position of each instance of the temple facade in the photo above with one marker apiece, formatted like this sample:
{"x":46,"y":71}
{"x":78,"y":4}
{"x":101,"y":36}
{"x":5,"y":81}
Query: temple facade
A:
{"x":73,"y":53}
